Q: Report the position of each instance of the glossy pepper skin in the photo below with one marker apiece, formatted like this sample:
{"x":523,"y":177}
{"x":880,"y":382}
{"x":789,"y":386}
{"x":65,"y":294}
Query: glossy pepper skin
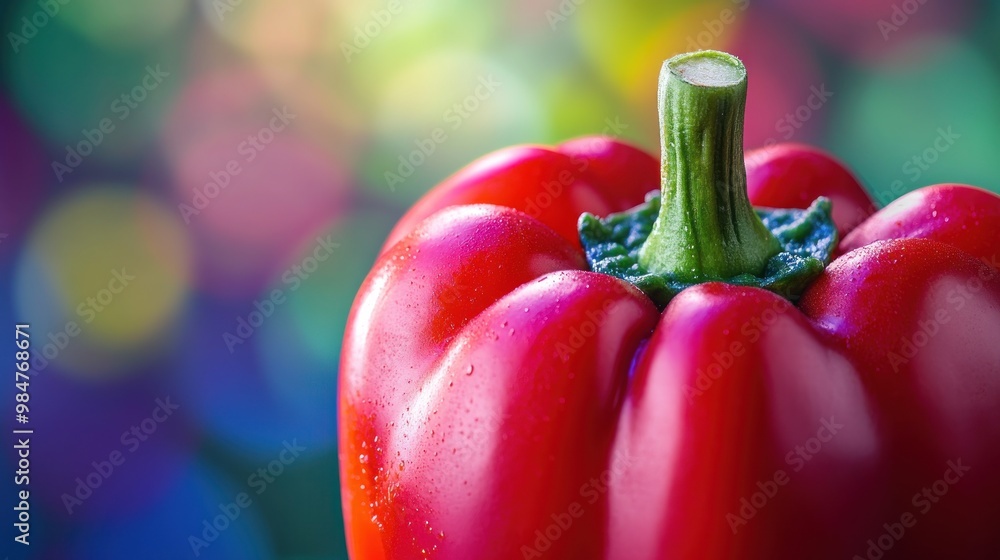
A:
{"x":500,"y":401}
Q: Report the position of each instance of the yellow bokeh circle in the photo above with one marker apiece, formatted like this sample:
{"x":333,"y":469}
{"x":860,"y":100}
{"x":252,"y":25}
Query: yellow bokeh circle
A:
{"x":105,"y":272}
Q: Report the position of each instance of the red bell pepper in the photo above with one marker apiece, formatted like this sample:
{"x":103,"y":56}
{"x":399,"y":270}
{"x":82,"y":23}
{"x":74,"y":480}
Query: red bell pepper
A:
{"x":499,"y":399}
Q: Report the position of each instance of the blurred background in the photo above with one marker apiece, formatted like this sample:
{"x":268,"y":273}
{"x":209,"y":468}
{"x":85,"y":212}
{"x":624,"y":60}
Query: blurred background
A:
{"x":191,"y":192}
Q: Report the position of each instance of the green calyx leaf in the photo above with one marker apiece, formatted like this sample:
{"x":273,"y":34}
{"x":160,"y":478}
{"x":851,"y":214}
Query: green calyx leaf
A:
{"x":807,"y":238}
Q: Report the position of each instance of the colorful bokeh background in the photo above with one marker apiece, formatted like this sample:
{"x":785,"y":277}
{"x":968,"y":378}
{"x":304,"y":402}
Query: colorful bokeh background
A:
{"x":191,"y":192}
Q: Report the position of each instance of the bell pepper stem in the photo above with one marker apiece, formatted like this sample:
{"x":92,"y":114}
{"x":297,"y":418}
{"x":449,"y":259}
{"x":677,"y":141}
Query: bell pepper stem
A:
{"x":706,"y":228}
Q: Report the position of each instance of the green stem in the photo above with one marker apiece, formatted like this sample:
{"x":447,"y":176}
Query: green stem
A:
{"x":706,"y":228}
